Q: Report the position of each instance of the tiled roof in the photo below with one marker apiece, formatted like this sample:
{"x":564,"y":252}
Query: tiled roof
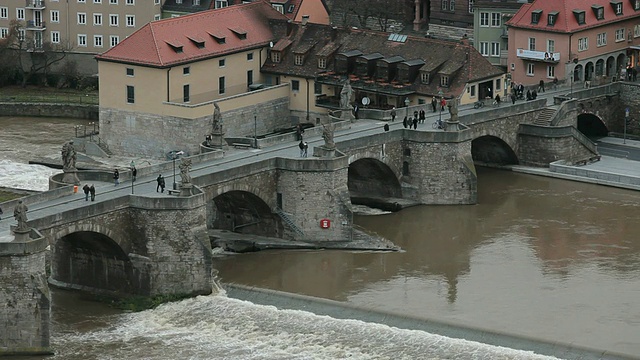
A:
{"x":175,"y":41}
{"x":566,"y":21}
{"x":186,"y":6}
{"x":436,"y":54}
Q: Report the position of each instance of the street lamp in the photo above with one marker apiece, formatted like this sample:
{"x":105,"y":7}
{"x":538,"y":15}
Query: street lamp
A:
{"x":573,"y":75}
{"x":626,"y":121}
{"x":174,"y":156}
{"x":255,"y":130}
{"x":406,"y":105}
{"x":440,"y":94}
{"x":133,"y":178}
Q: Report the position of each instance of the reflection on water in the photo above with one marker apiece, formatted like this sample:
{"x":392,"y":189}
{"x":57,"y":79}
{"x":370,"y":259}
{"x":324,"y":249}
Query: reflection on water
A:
{"x":537,"y":257}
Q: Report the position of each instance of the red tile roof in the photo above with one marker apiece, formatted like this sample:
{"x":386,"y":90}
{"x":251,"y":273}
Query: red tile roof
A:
{"x":177,"y":40}
{"x":566,"y":22}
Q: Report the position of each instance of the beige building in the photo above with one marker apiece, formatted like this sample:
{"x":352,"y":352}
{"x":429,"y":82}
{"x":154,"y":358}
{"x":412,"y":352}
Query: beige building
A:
{"x":84,"y":26}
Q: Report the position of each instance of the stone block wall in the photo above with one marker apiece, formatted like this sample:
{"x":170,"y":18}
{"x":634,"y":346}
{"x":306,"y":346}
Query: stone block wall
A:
{"x":24,"y":294}
{"x":630,"y":97}
{"x":149,"y":135}
{"x":89,"y":112}
{"x":541,"y":151}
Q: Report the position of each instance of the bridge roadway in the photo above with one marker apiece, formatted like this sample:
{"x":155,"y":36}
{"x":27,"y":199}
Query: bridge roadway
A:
{"x":146,"y":185}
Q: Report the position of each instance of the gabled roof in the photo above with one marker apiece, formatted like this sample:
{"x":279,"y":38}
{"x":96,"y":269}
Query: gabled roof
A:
{"x":174,"y":41}
{"x":566,"y":21}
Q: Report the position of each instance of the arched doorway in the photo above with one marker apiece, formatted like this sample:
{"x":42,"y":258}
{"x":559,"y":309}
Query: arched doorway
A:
{"x":592,"y":126}
{"x":621,"y":62}
{"x":492,"y":150}
{"x":588,"y":71}
{"x":600,"y":67}
{"x":577,"y":73}
{"x":611,"y":66}
{"x":245,"y":213}
{"x":370,"y":182}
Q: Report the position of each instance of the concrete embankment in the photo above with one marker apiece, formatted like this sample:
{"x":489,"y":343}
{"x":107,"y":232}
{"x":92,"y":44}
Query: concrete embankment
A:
{"x":340,"y":310}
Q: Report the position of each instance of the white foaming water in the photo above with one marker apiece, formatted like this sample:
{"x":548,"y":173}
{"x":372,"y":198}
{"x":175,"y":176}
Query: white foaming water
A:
{"x":218,"y":327}
{"x":25,"y":176}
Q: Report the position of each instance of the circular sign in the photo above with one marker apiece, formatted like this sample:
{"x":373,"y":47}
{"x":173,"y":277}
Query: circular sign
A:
{"x":325,"y":223}
{"x":366,"y":101}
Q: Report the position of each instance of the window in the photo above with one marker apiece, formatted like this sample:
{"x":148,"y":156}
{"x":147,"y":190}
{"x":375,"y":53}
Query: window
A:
{"x":495,"y":19}
{"x":498,"y":84}
{"x":97,"y":40}
{"x":186,"y":70}
{"x":82,"y":1}
{"x":221,"y":89}
{"x":221,"y":62}
{"x":484,"y":48}
{"x":424,"y":77}
{"x":535,"y":16}
{"x":322,"y":63}
{"x":636,"y":31}
{"x":97,"y":1}
{"x":551,"y":46}
{"x":317,"y":88}
{"x":471,"y":6}
{"x":484,"y":19}
{"x":131,"y":20}
{"x":196,"y":3}
{"x":530,"y":69}
{"x":452,"y":5}
{"x":250,"y":56}
{"x":579,"y":15}
{"x":97,"y":19}
{"x":598,"y":11}
{"x":221,"y":4}
{"x":532,"y":44}
{"x":131,"y":2}
{"x":114,"y":40}
{"x":495,"y":49}
{"x":472,"y":91}
{"x":617,"y":7}
{"x":82,"y":40}
{"x":444,"y":80}
{"x":445,"y":4}
{"x":551,"y":72}
{"x":20,"y":13}
{"x":4,"y":12}
{"x":21,"y":34}
{"x":275,"y":56}
{"x":619,"y":35}
{"x":4,"y":32}
{"x":55,"y":16}
{"x":131,"y":97}
{"x":601,"y":39}
{"x":583,"y":44}
{"x":82,"y":18}
{"x":636,"y":4}
{"x":295,"y":85}
{"x":113,"y":19}
{"x":130,"y":72}
{"x":249,"y":77}
{"x":551,"y":19}
{"x":55,"y":37}
{"x":185,"y":93}
{"x":178,"y":1}
{"x":113,"y":2}
{"x":156,"y":2}
{"x":299,"y":59}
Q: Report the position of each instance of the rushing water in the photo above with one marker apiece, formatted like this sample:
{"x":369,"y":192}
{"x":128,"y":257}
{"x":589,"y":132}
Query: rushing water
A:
{"x":542,"y":258}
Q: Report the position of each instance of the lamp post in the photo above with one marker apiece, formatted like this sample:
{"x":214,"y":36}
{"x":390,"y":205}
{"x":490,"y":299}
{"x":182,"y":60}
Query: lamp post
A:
{"x":440,"y":94}
{"x":573,"y":75}
{"x":406,"y":105}
{"x":174,"y":156}
{"x":626,"y":121}
{"x":132,"y":166}
{"x":255,"y":130}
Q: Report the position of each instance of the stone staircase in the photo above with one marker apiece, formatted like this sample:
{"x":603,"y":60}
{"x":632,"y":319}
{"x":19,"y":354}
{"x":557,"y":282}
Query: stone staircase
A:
{"x":544,"y":119}
{"x":102,"y":145}
{"x":287,"y":220}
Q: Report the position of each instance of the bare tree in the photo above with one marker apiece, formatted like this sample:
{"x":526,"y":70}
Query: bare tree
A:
{"x":385,"y":12}
{"x":31,"y":53}
{"x":367,"y":13}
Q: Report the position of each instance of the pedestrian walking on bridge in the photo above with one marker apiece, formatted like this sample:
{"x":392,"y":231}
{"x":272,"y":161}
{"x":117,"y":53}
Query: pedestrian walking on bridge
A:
{"x":85,"y":188}
{"x":116,"y":177}
{"x":92,"y":190}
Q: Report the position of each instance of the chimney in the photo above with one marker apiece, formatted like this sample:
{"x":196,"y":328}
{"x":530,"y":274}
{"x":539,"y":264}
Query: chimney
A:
{"x":289,"y":27}
{"x":334,"y":33}
{"x":305,"y":19}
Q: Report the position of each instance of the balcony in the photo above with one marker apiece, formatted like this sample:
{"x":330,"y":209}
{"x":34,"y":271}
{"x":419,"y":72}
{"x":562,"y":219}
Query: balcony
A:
{"x":34,"y":46}
{"x":35,"y":4}
{"x":36,"y":25}
{"x":542,"y":56}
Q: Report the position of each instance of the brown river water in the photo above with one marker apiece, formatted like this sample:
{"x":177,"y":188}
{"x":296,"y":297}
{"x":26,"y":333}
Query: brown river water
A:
{"x":542,"y":258}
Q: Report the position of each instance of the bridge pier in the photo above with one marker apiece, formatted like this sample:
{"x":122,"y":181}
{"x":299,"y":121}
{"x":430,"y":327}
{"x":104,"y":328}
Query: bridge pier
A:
{"x":24,"y":295}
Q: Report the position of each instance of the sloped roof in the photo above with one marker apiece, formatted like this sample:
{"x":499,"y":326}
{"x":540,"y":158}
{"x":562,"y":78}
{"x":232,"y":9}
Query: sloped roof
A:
{"x":170,"y":42}
{"x":566,"y":22}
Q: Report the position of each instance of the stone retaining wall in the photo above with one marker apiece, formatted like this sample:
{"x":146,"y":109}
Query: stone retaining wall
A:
{"x":75,"y":111}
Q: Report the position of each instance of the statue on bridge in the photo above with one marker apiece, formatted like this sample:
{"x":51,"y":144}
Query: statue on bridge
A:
{"x":327,"y":134}
{"x":185,"y":166}
{"x":68,"y":157}
{"x":20,"y":214}
{"x":216,"y":120}
{"x":345,"y":95}
{"x":453,"y":110}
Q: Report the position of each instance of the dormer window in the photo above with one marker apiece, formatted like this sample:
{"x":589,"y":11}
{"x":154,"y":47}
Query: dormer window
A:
{"x":299,"y":59}
{"x":240,"y":33}
{"x":551,"y":18}
{"x":635,"y":4}
{"x":580,"y":16}
{"x":175,"y":46}
{"x":275,"y":56}
{"x":278,"y":7}
{"x":219,"y":38}
{"x":424,"y":77}
{"x":535,"y":16}
{"x":444,"y":80}
{"x":617,"y":7}
{"x":598,"y":11}
{"x":322,"y":63}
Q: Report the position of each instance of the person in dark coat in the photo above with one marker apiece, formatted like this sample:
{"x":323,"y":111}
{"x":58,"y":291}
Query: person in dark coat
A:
{"x":405,"y":122}
{"x":434,"y":103}
{"x":541,"y":86}
{"x":92,"y":190}
{"x":386,"y":127}
{"x":415,"y":122}
{"x":159,"y":180}
{"x":423,"y":116}
{"x":513,"y":98}
{"x":134,"y":173}
{"x":393,"y":114}
{"x":85,"y":188}
{"x":528,"y":95}
{"x":534,"y":95}
{"x":116,"y":177}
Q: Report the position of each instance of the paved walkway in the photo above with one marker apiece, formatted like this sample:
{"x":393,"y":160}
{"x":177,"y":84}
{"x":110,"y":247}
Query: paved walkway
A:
{"x":146,"y":186}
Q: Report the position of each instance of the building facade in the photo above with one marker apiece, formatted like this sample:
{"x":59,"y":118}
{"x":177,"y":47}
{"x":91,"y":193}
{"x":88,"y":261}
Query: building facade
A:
{"x":595,"y":42}
{"x":451,"y":19}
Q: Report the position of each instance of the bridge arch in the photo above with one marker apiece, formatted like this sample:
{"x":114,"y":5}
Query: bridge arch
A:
{"x":372,"y":177}
{"x":491,"y":149}
{"x":91,"y":256}
{"x":246,"y":213}
{"x":592,"y":125}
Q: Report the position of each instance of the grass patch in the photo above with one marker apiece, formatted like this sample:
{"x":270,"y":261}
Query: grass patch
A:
{"x":6,"y":196}
{"x":41,"y":94}
{"x":140,"y":303}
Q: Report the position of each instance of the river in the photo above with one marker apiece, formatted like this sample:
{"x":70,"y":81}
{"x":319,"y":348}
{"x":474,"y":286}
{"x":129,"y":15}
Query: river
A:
{"x":537,"y":257}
